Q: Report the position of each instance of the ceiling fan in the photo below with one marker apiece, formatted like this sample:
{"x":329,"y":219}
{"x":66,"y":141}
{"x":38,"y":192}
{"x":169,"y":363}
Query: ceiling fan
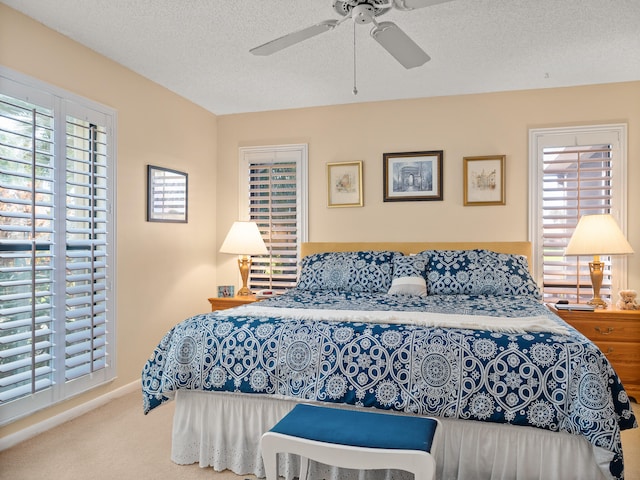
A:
{"x":387,"y":34}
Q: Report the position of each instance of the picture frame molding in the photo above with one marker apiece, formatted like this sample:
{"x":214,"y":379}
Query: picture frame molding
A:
{"x":394,"y":160}
{"x":471,"y":164}
{"x":349,"y":199}
{"x":154,"y":190}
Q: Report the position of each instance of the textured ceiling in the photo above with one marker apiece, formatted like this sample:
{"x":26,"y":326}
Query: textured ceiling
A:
{"x":200,"y":48}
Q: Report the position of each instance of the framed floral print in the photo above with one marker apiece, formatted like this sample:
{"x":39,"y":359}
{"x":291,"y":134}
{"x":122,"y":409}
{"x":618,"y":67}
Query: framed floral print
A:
{"x":344,"y":182}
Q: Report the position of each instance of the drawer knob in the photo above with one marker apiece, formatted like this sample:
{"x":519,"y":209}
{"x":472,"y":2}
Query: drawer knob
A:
{"x":608,"y":331}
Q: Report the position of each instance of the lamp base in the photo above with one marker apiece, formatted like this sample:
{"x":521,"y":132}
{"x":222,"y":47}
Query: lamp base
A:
{"x":598,"y":303}
{"x":596,"y":269}
{"x":244,"y":263}
{"x":244,"y":291}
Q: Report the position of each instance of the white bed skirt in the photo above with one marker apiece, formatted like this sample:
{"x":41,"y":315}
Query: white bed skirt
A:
{"x":223,"y":431}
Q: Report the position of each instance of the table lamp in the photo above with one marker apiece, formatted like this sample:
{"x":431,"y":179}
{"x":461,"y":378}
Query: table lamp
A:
{"x":244,"y":239}
{"x":597,"y":235}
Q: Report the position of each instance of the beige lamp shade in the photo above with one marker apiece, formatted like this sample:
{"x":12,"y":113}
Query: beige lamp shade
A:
{"x":244,"y":239}
{"x":598,"y":235}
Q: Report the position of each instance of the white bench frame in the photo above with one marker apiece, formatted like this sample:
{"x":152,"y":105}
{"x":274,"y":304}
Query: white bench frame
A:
{"x":418,"y":462}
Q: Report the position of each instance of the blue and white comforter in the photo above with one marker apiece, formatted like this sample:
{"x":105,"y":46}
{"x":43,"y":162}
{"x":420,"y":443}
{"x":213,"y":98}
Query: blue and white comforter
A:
{"x":552,"y":378}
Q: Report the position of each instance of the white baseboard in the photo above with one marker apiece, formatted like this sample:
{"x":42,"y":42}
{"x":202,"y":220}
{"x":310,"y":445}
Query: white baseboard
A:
{"x":29,"y":432}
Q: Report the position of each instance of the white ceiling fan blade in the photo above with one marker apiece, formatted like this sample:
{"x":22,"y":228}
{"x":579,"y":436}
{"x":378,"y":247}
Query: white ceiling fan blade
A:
{"x":399,"y":45}
{"x":292,"y":38}
{"x":413,"y":4}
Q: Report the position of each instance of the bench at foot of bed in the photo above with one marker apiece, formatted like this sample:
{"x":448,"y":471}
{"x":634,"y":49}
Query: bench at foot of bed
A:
{"x":352,"y":439}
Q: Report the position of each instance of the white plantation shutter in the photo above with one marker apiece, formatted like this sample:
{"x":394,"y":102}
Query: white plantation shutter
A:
{"x":56,"y":246}
{"x":576,"y":172}
{"x":26,"y":255}
{"x":86,"y":247}
{"x":273,"y":182}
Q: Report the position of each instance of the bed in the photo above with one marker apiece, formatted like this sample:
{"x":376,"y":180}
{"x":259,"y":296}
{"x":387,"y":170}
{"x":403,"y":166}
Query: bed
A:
{"x":452,"y":330}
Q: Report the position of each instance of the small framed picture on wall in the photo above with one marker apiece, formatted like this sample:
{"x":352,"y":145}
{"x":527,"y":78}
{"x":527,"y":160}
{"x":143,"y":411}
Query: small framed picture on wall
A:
{"x":167,"y":193}
{"x":484,"y":180}
{"x":411,"y":176}
{"x":344,"y":184}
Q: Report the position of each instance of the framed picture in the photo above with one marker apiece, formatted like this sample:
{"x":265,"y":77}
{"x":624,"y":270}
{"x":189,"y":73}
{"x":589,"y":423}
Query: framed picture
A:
{"x":225,"y":291}
{"x":484,"y":180}
{"x":166,"y":195}
{"x":344,"y":182}
{"x":411,"y":176}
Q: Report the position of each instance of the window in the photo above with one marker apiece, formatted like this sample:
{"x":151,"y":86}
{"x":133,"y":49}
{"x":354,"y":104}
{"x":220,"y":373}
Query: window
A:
{"x":273,"y":194}
{"x":57,"y":255}
{"x":574,"y":172}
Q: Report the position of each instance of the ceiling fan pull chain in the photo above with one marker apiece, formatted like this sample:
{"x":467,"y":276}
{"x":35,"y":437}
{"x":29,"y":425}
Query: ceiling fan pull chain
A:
{"x":355,"y":88}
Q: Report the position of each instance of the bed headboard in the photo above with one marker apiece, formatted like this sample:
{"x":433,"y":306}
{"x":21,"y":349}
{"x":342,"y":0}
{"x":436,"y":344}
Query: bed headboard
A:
{"x":518,"y":248}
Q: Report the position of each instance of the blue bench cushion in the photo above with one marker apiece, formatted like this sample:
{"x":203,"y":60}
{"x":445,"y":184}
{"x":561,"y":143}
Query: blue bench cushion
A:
{"x":358,"y":428}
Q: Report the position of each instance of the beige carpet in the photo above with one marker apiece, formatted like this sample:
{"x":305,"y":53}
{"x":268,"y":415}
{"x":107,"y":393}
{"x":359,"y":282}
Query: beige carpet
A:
{"x":117,"y":441}
{"x":114,"y":442}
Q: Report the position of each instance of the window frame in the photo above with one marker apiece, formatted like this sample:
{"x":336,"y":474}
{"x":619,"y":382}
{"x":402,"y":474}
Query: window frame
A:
{"x":273,"y":154}
{"x":541,"y":138}
{"x":67,"y":106}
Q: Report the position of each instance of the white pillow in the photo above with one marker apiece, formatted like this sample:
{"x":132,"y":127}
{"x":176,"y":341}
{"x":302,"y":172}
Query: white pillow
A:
{"x":409,"y":276}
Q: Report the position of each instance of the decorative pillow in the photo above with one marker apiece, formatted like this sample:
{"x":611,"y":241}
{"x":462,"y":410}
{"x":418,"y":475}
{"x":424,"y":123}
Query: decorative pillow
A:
{"x":364,"y":271}
{"x":478,"y":272}
{"x":409,"y":276}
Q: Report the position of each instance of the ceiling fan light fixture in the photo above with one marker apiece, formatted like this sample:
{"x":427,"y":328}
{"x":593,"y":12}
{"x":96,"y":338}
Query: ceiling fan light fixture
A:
{"x":362,"y":14}
{"x":345,"y":7}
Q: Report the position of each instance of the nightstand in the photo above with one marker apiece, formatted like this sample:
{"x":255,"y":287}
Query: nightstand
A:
{"x":617,"y":334}
{"x":222,"y":303}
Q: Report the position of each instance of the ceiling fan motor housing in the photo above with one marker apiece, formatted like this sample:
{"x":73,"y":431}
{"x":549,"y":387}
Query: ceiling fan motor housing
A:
{"x":361,"y":11}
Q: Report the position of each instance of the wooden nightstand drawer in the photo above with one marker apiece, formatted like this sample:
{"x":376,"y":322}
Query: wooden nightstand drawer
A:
{"x":608,"y":329}
{"x":625,"y":356}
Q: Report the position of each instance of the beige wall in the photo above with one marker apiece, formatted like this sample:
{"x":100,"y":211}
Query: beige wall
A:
{"x":165,"y":272}
{"x":468,"y":125}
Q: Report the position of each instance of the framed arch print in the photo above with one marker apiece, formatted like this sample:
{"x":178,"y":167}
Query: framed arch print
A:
{"x":411,"y":176}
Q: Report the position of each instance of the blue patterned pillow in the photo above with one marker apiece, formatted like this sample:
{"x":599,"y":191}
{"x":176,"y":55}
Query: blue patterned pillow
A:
{"x":409,"y":275}
{"x":365,"y":271}
{"x":478,"y":272}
